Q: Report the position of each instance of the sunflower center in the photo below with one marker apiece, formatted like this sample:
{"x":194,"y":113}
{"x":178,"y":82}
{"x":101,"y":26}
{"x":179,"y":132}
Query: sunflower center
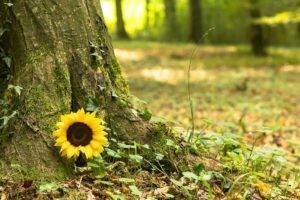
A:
{"x":79,"y":134}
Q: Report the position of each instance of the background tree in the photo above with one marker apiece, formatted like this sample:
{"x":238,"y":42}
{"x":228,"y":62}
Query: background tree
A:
{"x":63,"y":65}
{"x":170,"y":19}
{"x":121,"y":31}
{"x":298,"y":30}
{"x":195,"y":10}
{"x":147,"y":14}
{"x":256,"y":30}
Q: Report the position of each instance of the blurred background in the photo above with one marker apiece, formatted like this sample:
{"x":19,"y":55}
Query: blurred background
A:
{"x":243,"y":55}
{"x":188,"y":20}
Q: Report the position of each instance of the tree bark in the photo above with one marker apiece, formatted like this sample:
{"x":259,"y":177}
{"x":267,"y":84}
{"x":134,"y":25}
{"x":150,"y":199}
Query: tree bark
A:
{"x":195,"y":9}
{"x":63,"y":58}
{"x":147,"y":14}
{"x":121,"y":31}
{"x":170,"y":19}
{"x":4,"y":68}
{"x":256,"y":30}
{"x":298,"y":31}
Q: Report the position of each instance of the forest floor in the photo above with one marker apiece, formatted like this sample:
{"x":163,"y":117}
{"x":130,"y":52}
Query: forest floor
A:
{"x":229,"y":87}
{"x":246,"y":143}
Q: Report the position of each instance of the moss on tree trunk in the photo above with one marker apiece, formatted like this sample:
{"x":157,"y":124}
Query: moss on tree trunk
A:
{"x":63,"y":58}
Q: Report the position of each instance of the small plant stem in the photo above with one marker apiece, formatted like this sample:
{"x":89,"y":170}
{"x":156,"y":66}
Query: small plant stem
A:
{"x":189,"y":84}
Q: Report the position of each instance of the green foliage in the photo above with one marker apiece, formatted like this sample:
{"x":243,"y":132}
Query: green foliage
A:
{"x":239,"y":103}
{"x":135,"y":190}
{"x":230,"y":20}
{"x":285,"y":17}
{"x":48,"y":186}
{"x":242,"y":168}
{"x":7,"y":107}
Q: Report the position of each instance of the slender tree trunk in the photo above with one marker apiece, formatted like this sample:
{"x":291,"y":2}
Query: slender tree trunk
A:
{"x":147,"y":16}
{"x":298,"y":31}
{"x":195,"y":20}
{"x":121,"y":31}
{"x":298,"y":26}
{"x":170,"y":19}
{"x":63,"y":58}
{"x":256,"y":31}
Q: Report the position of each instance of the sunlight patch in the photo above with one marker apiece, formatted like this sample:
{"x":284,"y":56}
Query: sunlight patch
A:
{"x":174,"y":76}
{"x":126,"y":55}
{"x":290,"y":68}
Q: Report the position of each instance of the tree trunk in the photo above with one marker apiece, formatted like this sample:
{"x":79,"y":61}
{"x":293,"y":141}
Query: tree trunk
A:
{"x":256,"y":30}
{"x":63,"y":58}
{"x":4,"y":68}
{"x":195,"y":21}
{"x":170,"y":19}
{"x":298,"y":31}
{"x":147,"y":16}
{"x":121,"y":31}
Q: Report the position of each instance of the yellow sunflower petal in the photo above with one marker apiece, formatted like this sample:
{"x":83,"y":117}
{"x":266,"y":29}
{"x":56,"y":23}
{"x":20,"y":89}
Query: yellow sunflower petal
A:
{"x":63,"y":117}
{"x":71,"y":151}
{"x":100,"y":138}
{"x":80,"y":114}
{"x":57,"y":133}
{"x":87,"y":150}
{"x":65,"y":145}
{"x":95,"y":144}
{"x":59,"y":124}
{"x":93,"y":114}
{"x":98,"y":151}
{"x":61,"y":139}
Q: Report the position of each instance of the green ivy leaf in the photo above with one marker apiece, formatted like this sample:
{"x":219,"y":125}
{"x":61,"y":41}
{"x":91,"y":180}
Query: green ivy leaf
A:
{"x":95,"y":54}
{"x":135,"y":190}
{"x":113,"y":153}
{"x":114,"y":95}
{"x":136,"y":158}
{"x":97,"y":166}
{"x":190,"y":175}
{"x":7,"y":60}
{"x":126,"y":180}
{"x":48,"y":187}
{"x":146,"y":114}
{"x":175,"y":182}
{"x":2,"y":31}
{"x":117,"y":196}
{"x":171,"y":143}
{"x":146,"y":146}
{"x":159,"y":156}
{"x":92,"y":106}
{"x":125,"y":146}
{"x":9,"y":4}
{"x":6,"y":119}
{"x":17,"y":89}
{"x":206,"y":177}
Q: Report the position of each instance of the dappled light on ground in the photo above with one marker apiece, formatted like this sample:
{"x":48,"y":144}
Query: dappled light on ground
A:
{"x":290,"y":68}
{"x":174,"y":76}
{"x":129,"y":55}
{"x":230,"y":88}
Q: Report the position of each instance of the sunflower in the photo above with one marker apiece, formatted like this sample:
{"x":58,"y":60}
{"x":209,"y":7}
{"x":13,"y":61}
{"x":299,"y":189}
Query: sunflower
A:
{"x":80,"y":132}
